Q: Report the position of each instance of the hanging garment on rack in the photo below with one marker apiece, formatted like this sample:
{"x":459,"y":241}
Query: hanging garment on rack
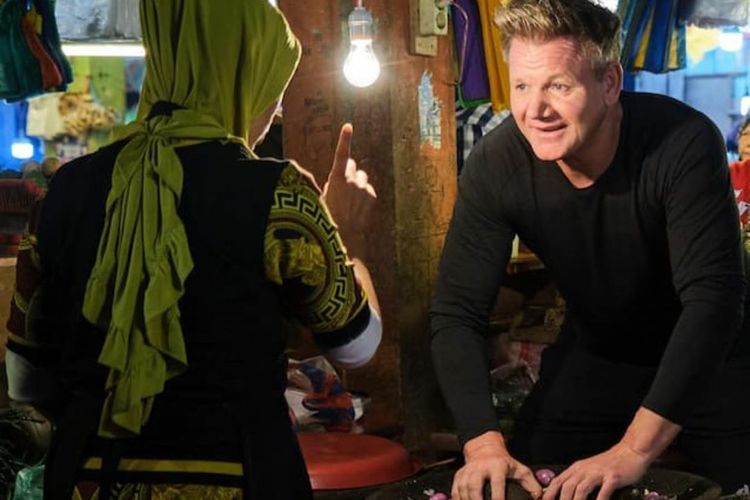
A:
{"x":473,"y":84}
{"x":50,"y":73}
{"x":19,"y":70}
{"x":30,"y":64}
{"x":51,"y":39}
{"x":471,"y":125}
{"x":497,"y":67}
{"x":653,"y":35}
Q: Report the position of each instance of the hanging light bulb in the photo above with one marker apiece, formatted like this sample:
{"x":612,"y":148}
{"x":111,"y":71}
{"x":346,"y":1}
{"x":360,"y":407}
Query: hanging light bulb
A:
{"x":361,"y":67}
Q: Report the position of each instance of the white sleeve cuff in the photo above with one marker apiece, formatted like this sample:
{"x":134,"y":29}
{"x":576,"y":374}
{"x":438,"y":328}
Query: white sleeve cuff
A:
{"x":361,"y":348}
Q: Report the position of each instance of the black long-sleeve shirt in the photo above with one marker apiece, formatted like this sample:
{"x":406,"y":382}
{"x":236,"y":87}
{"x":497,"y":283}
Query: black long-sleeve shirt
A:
{"x":648,"y":258}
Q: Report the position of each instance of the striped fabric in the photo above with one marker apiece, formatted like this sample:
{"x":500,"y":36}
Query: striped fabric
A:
{"x":471,"y":125}
{"x":653,"y":35}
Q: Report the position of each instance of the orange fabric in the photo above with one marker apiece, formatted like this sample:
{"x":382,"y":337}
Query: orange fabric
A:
{"x":497,"y":66}
{"x":51,"y":76}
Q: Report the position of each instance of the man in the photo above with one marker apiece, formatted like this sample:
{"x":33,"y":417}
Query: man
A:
{"x":626,"y":198}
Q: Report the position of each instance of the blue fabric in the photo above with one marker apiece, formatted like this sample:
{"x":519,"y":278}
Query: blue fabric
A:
{"x":665,"y":22}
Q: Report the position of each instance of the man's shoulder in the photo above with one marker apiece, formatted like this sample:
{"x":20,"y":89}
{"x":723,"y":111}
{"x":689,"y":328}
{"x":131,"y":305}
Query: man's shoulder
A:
{"x":662,"y":112}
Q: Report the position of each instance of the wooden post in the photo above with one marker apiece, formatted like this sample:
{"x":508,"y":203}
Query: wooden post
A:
{"x":404,"y":137}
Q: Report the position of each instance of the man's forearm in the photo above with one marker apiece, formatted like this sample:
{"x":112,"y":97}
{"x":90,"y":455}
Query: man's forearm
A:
{"x":463,"y":374}
{"x":649,"y":434}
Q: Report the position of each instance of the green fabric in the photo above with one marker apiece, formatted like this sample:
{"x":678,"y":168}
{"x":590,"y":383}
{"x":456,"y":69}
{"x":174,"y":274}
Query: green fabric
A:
{"x":226,"y":63}
{"x":20,"y":74}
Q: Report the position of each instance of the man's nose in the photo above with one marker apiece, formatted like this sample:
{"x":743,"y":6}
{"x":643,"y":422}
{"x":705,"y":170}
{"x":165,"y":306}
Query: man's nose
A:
{"x":538,"y":104}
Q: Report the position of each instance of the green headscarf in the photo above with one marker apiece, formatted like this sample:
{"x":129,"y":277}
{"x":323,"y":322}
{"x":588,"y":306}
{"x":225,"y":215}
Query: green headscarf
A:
{"x":225,"y":62}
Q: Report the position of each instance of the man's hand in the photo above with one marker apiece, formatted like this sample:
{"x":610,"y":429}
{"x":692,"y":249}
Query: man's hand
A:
{"x":647,"y":437}
{"x":617,"y":467}
{"x":347,"y":191}
{"x":487,"y":459}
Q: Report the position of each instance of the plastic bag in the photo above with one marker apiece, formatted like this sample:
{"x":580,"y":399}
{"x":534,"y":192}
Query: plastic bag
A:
{"x":82,"y":19}
{"x":90,"y":19}
{"x":316,"y":395}
{"x":29,"y":483}
{"x":715,"y":13}
{"x":124,"y":19}
{"x":44,"y":119}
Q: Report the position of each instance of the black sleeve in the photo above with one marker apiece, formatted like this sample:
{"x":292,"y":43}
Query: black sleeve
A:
{"x":706,"y":258}
{"x":476,"y":252}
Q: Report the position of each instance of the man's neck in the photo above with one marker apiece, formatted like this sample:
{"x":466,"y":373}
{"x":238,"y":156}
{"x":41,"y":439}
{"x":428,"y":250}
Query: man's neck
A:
{"x":593,"y":159}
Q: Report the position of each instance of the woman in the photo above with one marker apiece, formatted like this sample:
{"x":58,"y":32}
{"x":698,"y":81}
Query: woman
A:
{"x":152,"y":329}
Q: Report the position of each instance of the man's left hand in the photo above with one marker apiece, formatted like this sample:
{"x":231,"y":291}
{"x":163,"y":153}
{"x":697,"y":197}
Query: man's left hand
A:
{"x":617,"y":467}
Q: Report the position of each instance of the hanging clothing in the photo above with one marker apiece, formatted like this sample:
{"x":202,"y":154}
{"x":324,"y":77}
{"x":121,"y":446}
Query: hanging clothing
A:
{"x":31,"y":61}
{"x":20,"y":74}
{"x":472,"y":125}
{"x":473,"y":84}
{"x":653,"y":35}
{"x":497,"y":66}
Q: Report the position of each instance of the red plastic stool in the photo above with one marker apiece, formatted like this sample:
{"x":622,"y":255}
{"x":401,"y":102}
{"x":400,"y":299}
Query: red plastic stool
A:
{"x":340,"y":461}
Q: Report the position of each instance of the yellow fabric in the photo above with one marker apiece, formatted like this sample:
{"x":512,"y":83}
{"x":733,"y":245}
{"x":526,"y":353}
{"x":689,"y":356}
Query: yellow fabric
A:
{"x":170,"y":465}
{"x":497,"y":66}
{"x":640,"y":59}
{"x":701,"y":40}
{"x":226,"y":63}
{"x":672,"y":63}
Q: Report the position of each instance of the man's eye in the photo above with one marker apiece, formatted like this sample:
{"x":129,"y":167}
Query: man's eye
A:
{"x":521,"y":86}
{"x":559,"y":87}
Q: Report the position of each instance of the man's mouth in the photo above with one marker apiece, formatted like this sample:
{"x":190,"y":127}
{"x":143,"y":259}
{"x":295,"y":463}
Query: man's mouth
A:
{"x":549,"y":129}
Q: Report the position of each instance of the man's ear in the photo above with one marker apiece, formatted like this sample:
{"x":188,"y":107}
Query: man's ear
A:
{"x":612,"y":79}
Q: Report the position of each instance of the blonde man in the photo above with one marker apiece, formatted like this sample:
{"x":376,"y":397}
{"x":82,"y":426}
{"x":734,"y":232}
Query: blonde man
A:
{"x":626,"y":198}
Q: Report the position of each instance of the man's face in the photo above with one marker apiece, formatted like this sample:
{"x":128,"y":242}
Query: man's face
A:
{"x":556,"y":99}
{"x":743,"y":143}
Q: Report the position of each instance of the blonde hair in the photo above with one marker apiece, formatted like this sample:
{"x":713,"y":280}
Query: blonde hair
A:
{"x":596,"y":28}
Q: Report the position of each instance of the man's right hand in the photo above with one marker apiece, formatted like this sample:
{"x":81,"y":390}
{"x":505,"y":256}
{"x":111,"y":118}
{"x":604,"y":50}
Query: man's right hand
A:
{"x":487,"y":459}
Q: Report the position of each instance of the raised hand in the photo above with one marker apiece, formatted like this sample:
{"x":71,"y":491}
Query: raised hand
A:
{"x":347,"y":191}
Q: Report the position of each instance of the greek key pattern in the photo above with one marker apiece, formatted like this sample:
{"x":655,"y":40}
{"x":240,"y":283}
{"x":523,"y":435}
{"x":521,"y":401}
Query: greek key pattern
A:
{"x":334,"y":297}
